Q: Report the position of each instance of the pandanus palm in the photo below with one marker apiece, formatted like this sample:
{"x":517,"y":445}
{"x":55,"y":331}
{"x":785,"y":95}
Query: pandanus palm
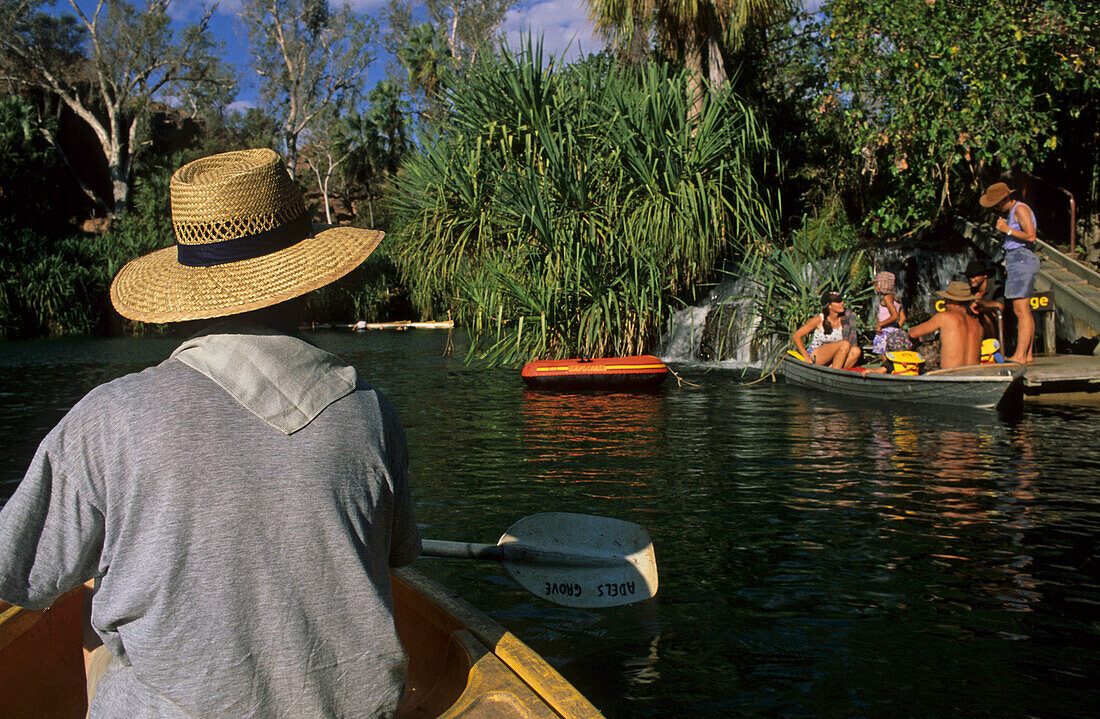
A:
{"x":561,"y":213}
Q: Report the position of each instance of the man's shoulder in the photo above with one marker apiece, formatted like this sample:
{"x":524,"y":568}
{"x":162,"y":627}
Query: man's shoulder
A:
{"x":149,"y":381}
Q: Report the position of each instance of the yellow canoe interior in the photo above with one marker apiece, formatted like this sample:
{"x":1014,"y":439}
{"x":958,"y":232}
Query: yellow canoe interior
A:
{"x":461,"y":662}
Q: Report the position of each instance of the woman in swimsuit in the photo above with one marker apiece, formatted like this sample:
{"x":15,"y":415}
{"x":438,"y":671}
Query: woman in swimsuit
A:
{"x":827,"y":343}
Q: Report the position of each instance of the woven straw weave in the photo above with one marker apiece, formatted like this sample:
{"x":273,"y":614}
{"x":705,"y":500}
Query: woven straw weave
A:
{"x":232,"y":195}
{"x":224,"y":197}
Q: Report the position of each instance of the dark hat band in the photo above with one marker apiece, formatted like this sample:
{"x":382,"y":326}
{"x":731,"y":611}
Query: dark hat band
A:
{"x":210,"y":254}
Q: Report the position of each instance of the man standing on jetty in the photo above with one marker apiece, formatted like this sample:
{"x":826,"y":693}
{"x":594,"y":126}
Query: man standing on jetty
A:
{"x":241,"y":503}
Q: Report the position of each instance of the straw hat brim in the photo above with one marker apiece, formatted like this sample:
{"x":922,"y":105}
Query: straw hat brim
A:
{"x":157,"y":288}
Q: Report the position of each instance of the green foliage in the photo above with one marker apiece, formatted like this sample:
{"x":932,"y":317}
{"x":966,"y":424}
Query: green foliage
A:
{"x":61,"y":287}
{"x":790,"y":281}
{"x":26,"y":163}
{"x":932,"y":98}
{"x":371,"y":292}
{"x":561,"y":212}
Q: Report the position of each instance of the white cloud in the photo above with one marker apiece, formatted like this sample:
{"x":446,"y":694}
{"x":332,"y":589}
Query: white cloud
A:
{"x":242,"y":105}
{"x":563,"y":25}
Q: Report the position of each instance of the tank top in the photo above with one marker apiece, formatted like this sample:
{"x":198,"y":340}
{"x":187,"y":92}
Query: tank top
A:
{"x":821,"y":338}
{"x":884,"y":312}
{"x":1011,"y":243}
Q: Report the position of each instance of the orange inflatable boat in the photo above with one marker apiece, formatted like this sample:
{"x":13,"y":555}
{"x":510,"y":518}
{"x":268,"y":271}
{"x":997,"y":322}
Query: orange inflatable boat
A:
{"x":625,"y":374}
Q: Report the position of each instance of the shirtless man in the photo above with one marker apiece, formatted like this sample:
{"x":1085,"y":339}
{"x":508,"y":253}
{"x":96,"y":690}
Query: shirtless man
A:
{"x":960,"y":331}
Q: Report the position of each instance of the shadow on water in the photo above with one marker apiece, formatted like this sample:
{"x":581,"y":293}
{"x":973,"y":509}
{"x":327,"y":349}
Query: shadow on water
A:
{"x":817,"y":557}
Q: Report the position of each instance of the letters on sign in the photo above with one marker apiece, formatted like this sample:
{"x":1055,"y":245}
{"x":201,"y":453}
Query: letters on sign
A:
{"x":1040,"y":302}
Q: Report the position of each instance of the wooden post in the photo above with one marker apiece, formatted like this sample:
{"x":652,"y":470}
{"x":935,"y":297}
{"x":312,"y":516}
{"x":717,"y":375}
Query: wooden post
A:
{"x":1049,"y":340}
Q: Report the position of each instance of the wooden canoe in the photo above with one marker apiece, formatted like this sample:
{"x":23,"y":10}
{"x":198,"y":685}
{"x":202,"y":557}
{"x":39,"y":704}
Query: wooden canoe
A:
{"x":640,"y":372}
{"x":982,"y":386}
{"x":461,"y":662}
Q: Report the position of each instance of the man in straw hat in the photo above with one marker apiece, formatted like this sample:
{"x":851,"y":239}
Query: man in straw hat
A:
{"x":1021,"y":262}
{"x":241,"y":503}
{"x":960,"y":332}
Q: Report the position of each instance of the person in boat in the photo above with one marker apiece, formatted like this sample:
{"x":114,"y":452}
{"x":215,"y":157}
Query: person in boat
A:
{"x":960,"y":331}
{"x":830,"y":342}
{"x":989,"y":294}
{"x":1021,"y":262}
{"x":891,"y":316}
{"x":241,"y":503}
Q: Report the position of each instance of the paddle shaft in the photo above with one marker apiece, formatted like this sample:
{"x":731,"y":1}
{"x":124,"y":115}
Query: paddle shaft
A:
{"x":518,"y":553}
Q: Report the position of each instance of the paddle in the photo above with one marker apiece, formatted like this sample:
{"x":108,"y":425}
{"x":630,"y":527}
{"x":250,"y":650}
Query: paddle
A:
{"x":575,"y":560}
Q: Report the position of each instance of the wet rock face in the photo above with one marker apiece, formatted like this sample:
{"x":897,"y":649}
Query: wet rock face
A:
{"x":725,"y":332}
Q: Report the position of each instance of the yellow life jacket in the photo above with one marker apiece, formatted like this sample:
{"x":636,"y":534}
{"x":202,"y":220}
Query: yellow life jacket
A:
{"x":905,"y":362}
{"x":990,"y":347}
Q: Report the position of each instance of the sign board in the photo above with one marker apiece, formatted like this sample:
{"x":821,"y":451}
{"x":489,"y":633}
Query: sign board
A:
{"x":1040,"y":302}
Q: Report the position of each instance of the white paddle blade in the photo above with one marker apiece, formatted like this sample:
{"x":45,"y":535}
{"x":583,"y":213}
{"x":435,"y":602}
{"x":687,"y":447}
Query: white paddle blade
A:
{"x":578,"y":560}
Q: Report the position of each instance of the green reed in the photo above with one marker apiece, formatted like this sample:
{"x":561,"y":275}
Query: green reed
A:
{"x":60,"y":286}
{"x":561,"y":213}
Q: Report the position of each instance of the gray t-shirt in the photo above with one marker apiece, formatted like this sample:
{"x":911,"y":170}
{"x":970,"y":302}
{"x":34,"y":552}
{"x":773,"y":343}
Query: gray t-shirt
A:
{"x":244,"y":570}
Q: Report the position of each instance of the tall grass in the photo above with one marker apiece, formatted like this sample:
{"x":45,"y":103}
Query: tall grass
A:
{"x":561,"y":212}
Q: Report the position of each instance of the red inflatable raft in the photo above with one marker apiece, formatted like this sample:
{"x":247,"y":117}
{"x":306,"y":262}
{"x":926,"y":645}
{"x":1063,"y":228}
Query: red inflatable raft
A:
{"x":643,"y":372}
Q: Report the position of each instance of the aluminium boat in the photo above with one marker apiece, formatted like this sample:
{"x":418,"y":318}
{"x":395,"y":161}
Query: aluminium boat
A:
{"x":985,"y":386}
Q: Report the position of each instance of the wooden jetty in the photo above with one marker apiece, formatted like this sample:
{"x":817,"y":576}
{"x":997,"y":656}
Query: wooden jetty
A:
{"x":1057,"y":379}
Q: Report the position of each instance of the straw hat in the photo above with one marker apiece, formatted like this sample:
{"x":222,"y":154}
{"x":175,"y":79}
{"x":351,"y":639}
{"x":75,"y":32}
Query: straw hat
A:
{"x":994,"y":194}
{"x":886,"y":279}
{"x":244,"y":241}
{"x":958,"y":291}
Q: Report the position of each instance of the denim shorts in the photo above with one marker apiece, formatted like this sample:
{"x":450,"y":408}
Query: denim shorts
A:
{"x":1021,"y":266}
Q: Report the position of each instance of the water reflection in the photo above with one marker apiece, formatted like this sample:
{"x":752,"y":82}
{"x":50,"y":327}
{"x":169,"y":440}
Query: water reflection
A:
{"x":593,"y":439}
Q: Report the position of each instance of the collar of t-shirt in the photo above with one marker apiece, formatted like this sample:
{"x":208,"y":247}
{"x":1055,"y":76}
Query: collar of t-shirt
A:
{"x":283,"y":380}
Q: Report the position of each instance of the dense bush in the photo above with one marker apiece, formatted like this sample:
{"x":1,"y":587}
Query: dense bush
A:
{"x":561,"y":213}
{"x":788,"y":282}
{"x":62,"y":286}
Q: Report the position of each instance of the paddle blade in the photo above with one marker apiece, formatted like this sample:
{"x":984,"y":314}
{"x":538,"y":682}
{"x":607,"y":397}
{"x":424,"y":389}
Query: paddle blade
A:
{"x":578,"y":560}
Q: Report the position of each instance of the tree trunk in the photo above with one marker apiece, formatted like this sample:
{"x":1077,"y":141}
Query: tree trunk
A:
{"x":716,"y":65}
{"x":693,"y":59}
{"x":290,"y":146}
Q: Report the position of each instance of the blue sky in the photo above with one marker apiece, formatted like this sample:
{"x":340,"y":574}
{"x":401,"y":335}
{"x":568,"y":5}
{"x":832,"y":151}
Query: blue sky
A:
{"x":563,"y":24}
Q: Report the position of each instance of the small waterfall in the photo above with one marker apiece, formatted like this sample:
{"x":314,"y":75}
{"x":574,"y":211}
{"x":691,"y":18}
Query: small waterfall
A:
{"x":719,"y":329}
{"x":685,"y":334}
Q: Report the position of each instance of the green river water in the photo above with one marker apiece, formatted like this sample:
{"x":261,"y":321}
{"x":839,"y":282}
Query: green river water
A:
{"x":817,"y":558}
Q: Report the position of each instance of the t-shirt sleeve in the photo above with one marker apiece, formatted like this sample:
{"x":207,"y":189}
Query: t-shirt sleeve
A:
{"x":51,"y":531}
